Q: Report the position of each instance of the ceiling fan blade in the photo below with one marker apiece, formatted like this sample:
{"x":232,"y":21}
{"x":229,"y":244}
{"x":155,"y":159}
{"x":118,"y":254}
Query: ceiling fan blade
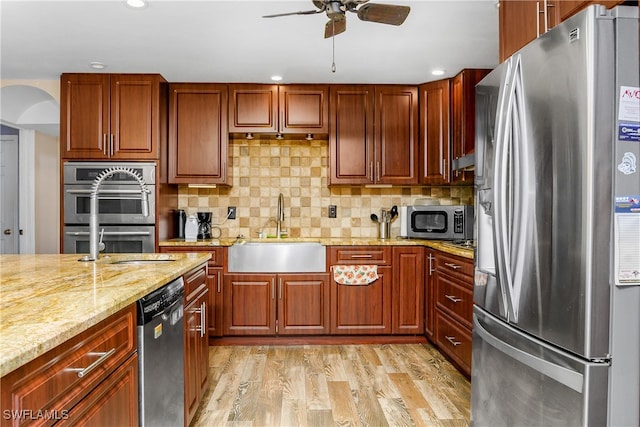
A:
{"x":383,"y":13}
{"x":304,"y":12}
{"x":335,"y":27}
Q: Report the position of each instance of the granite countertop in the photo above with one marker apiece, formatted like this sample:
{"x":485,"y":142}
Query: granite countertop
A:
{"x":48,"y":299}
{"x":440,"y":245}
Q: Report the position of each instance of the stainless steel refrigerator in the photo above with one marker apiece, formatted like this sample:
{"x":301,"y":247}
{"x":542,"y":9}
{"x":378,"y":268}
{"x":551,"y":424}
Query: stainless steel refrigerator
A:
{"x":556,"y":324}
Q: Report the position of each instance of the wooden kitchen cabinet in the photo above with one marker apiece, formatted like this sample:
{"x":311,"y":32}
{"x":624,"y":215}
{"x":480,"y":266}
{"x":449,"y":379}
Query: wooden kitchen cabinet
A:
{"x":215,"y":277}
{"x":51,"y":383}
{"x":196,"y":344}
{"x":198,"y":133}
{"x":568,"y":8}
{"x":407,"y":312}
{"x":112,"y":116}
{"x":373,"y":134}
{"x":434,"y":139}
{"x":463,"y":119}
{"x":270,"y":304}
{"x":284,"y":109}
{"x":303,"y":304}
{"x":453,"y":298}
{"x":362,"y":309}
{"x":522,"y":21}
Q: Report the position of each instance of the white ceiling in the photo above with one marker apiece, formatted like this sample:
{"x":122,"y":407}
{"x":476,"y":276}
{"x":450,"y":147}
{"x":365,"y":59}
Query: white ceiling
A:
{"x":229,"y":41}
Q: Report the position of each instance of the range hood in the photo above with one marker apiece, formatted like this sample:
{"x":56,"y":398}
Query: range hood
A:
{"x":467,"y":162}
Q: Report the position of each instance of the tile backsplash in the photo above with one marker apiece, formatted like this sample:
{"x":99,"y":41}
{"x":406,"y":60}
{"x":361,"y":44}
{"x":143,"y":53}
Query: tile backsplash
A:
{"x":261,"y":169}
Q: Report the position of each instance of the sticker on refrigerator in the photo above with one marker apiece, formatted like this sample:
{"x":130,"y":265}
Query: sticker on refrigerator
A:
{"x":629,"y":104}
{"x":629,"y":132}
{"x":157,"y":331}
{"x":628,"y":204}
{"x":628,"y":249}
{"x":628,"y":163}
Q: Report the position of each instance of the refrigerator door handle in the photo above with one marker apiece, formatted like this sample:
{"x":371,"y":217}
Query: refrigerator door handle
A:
{"x":569,"y":378}
{"x":502,"y":193}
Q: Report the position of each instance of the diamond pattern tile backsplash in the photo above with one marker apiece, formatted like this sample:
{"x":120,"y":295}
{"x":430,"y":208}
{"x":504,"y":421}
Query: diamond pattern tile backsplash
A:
{"x":262,"y":169}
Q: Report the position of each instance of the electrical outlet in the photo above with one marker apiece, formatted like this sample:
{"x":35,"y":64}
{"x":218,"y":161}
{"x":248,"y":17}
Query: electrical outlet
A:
{"x":332,"y":211}
{"x":231,"y":212}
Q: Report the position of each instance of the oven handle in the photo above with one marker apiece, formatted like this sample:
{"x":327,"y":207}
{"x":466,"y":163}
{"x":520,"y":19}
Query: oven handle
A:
{"x":111,"y":233}
{"x":107,"y":191}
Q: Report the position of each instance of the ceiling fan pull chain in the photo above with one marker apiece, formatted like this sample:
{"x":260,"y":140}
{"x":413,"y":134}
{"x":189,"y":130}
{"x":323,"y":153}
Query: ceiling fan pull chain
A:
{"x":333,"y":47}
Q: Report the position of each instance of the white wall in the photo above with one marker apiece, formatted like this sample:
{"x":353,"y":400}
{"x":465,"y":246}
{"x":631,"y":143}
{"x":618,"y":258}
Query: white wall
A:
{"x":47,"y":194}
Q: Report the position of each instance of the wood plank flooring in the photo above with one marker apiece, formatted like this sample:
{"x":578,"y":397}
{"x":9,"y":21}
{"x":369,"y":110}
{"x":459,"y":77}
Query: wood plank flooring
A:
{"x":326,"y":385}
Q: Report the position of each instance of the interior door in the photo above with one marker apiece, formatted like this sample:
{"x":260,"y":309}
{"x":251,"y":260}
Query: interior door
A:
{"x":9,"y":219}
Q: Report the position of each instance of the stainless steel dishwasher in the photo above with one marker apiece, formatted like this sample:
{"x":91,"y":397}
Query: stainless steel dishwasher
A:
{"x":161,"y":356}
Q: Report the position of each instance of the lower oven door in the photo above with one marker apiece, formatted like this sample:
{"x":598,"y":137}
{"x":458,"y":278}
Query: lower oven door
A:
{"x":117,"y":239}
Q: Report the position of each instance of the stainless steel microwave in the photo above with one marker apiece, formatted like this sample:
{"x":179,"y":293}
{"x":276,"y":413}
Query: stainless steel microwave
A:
{"x":437,"y":222}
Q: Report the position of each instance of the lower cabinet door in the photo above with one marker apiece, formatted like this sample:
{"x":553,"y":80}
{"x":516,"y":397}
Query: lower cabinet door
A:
{"x":249,"y":304}
{"x":362,"y":309}
{"x":303,"y":304}
{"x":113,"y":403}
{"x":196,"y":354}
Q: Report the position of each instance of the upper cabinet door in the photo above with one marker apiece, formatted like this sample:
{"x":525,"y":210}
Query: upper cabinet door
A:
{"x":253,"y":108}
{"x":105,"y":116}
{"x":303,"y":109}
{"x":198,"y":136}
{"x":396,"y":159}
{"x":135,"y":116}
{"x":463,"y":117}
{"x":522,"y":21}
{"x":434,"y":132}
{"x":84,"y":116}
{"x":351,"y":134}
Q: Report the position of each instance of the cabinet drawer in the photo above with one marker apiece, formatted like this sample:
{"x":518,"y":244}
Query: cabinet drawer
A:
{"x":195,"y":282}
{"x":454,"y":340}
{"x":378,"y":255}
{"x":456,"y":266}
{"x":454,"y":298}
{"x":60,"y":378}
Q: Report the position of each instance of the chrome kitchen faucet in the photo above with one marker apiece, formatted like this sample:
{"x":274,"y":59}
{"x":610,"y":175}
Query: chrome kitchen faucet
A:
{"x":94,"y":244}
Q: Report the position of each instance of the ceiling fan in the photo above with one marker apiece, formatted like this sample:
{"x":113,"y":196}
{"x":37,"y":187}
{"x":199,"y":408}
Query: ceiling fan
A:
{"x":336,"y":11}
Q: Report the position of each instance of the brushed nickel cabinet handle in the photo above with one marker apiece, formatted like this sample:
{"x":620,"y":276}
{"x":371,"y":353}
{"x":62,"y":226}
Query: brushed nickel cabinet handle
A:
{"x":82,"y":372}
{"x":203,"y":318}
{"x":280,"y":288}
{"x":362,"y":256}
{"x":378,"y":171}
{"x":451,"y":265}
{"x":431,"y":258}
{"x":104,"y":144}
{"x":217,"y":282}
{"x":111,"y":146}
{"x":273,"y":288}
{"x":453,"y":298}
{"x":452,"y":340}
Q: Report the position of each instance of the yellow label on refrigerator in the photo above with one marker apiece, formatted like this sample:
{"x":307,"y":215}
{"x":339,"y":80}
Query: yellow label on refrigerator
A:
{"x":157,"y":331}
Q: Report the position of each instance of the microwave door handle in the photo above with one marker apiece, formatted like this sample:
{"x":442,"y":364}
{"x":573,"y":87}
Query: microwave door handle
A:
{"x":111,"y":233}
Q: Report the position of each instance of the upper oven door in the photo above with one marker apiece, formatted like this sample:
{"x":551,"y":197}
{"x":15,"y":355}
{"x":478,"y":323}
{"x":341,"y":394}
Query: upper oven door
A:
{"x":117,"y":204}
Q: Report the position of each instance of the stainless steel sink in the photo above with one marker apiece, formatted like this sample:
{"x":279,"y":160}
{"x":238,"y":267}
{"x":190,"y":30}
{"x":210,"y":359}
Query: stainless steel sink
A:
{"x":277,"y":257}
{"x":142,"y":261}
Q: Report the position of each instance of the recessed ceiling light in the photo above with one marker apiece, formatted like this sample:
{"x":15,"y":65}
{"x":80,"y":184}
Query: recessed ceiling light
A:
{"x":137,"y":4}
{"x":276,"y":78}
{"x":437,"y":72}
{"x":97,"y":65}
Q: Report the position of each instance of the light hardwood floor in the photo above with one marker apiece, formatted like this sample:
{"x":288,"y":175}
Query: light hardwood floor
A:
{"x":327,"y":385}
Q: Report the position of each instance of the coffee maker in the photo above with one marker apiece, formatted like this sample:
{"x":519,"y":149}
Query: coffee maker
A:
{"x":204,"y":225}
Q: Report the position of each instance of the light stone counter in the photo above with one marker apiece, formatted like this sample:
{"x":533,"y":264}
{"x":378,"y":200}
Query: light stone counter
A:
{"x":47,"y":299}
{"x":355,"y":241}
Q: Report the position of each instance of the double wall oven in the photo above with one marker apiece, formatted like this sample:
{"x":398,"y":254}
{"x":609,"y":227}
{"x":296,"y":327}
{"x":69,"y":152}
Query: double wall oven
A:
{"x":123,"y":228}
